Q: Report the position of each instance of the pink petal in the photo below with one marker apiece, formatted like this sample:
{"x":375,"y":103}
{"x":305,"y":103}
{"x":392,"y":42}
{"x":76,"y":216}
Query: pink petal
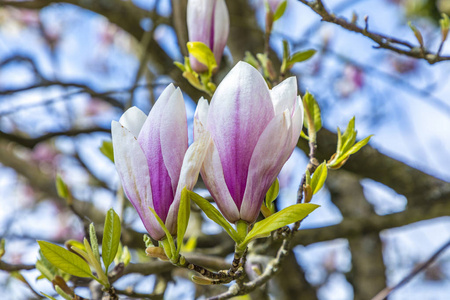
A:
{"x":174,"y":135}
{"x":150,"y":141}
{"x":214,"y":180}
{"x":297,"y":122}
{"x":200,"y":117}
{"x":221,"y":29}
{"x":267,"y":160}
{"x":192,"y":163}
{"x":240,"y":110}
{"x":284,"y":95}
{"x":133,"y":119}
{"x":133,"y":172}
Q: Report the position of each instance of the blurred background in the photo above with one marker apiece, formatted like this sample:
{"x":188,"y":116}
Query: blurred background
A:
{"x":67,"y":68}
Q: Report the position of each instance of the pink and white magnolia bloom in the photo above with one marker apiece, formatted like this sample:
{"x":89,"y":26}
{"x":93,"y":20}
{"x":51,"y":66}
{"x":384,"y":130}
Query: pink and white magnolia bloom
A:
{"x":208,"y":22}
{"x":153,"y":159}
{"x":254,"y":130}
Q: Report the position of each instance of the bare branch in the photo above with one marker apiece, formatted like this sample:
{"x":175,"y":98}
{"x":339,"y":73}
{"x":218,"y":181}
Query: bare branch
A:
{"x":386,"y":42}
{"x":388,"y":290}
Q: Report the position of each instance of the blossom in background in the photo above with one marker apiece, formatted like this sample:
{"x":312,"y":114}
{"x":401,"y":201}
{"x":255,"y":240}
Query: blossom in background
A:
{"x":153,"y":159}
{"x":254,"y":131}
{"x":208,"y":22}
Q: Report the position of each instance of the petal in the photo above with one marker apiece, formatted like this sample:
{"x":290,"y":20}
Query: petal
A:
{"x":200,"y":117}
{"x":192,"y":163}
{"x":212,"y":174}
{"x":174,"y":135}
{"x":133,"y":119}
{"x":199,"y":22}
{"x":267,"y":160}
{"x":284,"y":95}
{"x":134,"y":175}
{"x":297,"y":122}
{"x":221,"y":29}
{"x":150,"y":141}
{"x":240,"y":110}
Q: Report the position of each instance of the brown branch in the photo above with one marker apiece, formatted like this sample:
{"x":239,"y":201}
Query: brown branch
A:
{"x":386,"y":42}
{"x":32,"y":142}
{"x":388,"y":290}
{"x":14,"y":267}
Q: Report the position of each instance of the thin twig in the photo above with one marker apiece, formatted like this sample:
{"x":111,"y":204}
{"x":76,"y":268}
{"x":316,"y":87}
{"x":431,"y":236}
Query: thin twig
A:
{"x":388,"y":290}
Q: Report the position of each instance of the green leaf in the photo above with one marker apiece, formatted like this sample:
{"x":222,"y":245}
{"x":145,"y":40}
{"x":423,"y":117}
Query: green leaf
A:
{"x":61,"y":187}
{"x":184,"y":211}
{"x":65,"y":260}
{"x":249,"y":58}
{"x":358,"y":145}
{"x":445,"y":25}
{"x":282,"y":218}
{"x":417,"y":33}
{"x":107,"y":149}
{"x":281,"y":8}
{"x":94,"y":242}
{"x":169,"y":236}
{"x":48,"y":296}
{"x":44,"y":270}
{"x":301,"y":56}
{"x":147,"y":240}
{"x":111,"y":237}
{"x":318,"y":178}
{"x":347,"y":137}
{"x":62,"y":293}
{"x":180,"y":66}
{"x":312,"y":111}
{"x":272,"y":193}
{"x":203,"y":54}
{"x":2,"y":247}
{"x":126,"y":256}
{"x":212,"y":213}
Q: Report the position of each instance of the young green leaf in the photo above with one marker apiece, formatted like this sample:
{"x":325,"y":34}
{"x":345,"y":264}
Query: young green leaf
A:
{"x":126,"y":256}
{"x":44,"y":270}
{"x":282,"y":218}
{"x":48,"y":296}
{"x":65,"y":260}
{"x":417,"y":33}
{"x":61,"y":187}
{"x":212,"y":213}
{"x":249,"y":58}
{"x":180,"y":66}
{"x":172,"y":253}
{"x":107,"y":149}
{"x":272,"y":194}
{"x":281,"y":8}
{"x":62,"y":293}
{"x":2,"y":247}
{"x":445,"y":25}
{"x":94,"y":242}
{"x":318,"y":178}
{"x":184,"y":211}
{"x":111,"y":237}
{"x":301,"y":56}
{"x":312,"y":110}
{"x":203,"y":54}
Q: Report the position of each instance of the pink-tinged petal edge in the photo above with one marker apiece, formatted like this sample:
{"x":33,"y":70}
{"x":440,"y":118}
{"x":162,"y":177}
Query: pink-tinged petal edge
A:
{"x":192,"y":163}
{"x":134,"y":175}
{"x":133,"y":119}
{"x":174,"y":136}
{"x":284,"y":95}
{"x":239,"y":112}
{"x":150,"y":141}
{"x":212,"y":174}
{"x":267,"y":160}
{"x":221,"y":29}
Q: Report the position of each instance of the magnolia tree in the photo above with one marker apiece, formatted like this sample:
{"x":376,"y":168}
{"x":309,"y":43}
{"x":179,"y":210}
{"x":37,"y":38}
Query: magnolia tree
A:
{"x":249,"y":118}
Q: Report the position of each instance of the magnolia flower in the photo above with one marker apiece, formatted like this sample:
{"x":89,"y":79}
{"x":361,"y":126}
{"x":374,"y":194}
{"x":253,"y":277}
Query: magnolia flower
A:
{"x":254,"y":130}
{"x":208,"y":22}
{"x":153,"y":159}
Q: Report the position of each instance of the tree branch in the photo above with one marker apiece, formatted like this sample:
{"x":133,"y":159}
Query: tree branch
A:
{"x":386,"y":42}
